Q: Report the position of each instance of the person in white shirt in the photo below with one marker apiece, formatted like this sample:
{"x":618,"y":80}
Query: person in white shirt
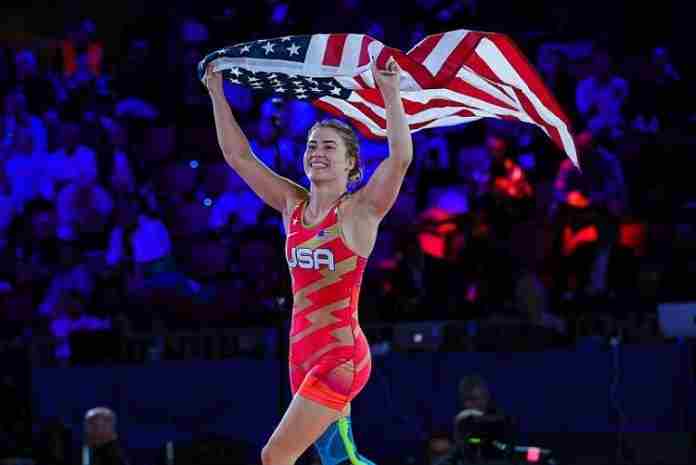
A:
{"x":25,"y":169}
{"x":601,"y":96}
{"x":15,"y":116}
{"x":237,"y":207}
{"x":82,"y":207}
{"x":72,"y":317}
{"x":72,"y":162}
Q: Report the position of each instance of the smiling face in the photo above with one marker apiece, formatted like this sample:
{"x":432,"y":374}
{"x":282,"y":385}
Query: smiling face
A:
{"x":326,"y":158}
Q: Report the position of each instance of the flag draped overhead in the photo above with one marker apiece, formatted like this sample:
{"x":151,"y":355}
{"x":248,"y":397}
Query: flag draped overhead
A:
{"x":447,"y":79}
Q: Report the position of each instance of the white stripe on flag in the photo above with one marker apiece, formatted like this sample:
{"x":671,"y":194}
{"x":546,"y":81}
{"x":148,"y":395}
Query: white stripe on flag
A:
{"x":351,"y":53}
{"x":374,"y":49}
{"x":505,"y":95}
{"x":495,"y":60}
{"x":449,"y":121}
{"x":349,"y":110}
{"x":347,"y":82}
{"x":315,"y":56}
{"x":443,"y":50}
{"x":258,"y":64}
{"x":465,"y":101}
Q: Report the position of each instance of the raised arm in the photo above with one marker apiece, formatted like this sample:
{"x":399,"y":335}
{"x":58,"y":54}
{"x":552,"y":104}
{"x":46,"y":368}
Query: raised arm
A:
{"x":380,"y":192}
{"x":277,"y":191}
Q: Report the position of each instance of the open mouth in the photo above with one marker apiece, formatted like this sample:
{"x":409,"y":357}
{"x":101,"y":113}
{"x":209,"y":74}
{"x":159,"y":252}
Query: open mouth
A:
{"x":318,"y":165}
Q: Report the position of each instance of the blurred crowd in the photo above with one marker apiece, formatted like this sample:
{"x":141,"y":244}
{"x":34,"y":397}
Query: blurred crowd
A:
{"x":118,"y":213}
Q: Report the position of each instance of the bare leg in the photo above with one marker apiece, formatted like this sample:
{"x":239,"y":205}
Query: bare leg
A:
{"x":303,"y":423}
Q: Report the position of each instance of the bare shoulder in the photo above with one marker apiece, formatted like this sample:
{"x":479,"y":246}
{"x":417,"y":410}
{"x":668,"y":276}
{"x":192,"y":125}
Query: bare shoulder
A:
{"x":358,"y":225}
{"x":355,"y":207}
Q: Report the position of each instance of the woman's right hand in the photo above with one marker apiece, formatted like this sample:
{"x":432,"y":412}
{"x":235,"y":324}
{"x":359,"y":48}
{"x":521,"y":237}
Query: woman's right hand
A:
{"x":213,"y":81}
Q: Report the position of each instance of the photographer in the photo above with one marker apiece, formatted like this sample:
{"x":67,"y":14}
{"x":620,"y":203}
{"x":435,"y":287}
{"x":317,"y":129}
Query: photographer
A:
{"x":480,"y":427}
{"x":100,"y":431}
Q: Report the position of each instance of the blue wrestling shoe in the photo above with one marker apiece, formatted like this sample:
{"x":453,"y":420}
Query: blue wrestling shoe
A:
{"x":337,"y":446}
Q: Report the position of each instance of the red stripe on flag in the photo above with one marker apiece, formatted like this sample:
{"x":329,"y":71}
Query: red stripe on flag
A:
{"x":454,"y":62}
{"x":413,"y":108}
{"x":480,"y":67}
{"x":419,"y":72}
{"x":528,"y":74}
{"x":373,"y":96}
{"x":334,"y":49}
{"x":463,"y":113}
{"x":361,"y":127}
{"x":370,"y":114}
{"x":531,"y":111}
{"x":420,"y":53}
{"x":361,"y":82}
{"x":364,"y":54}
{"x":465,"y":88}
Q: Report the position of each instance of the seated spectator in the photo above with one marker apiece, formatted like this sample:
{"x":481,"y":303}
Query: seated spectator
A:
{"x":16,"y":115}
{"x":139,"y":238}
{"x":77,"y":281}
{"x":586,"y":211}
{"x":238,"y":208}
{"x":71,"y":316}
{"x":26,"y":169}
{"x":72,"y":162}
{"x":7,"y":208}
{"x":600,"y":97}
{"x":40,"y":90}
{"x":83,"y":210}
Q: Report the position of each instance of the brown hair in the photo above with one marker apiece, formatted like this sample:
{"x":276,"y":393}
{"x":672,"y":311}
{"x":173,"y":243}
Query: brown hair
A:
{"x":352,"y":145}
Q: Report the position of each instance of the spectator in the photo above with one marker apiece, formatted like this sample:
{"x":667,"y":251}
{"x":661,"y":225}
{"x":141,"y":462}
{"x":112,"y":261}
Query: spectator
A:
{"x":102,"y":439}
{"x":72,"y":162}
{"x":16,"y":115}
{"x":26,"y":170}
{"x":593,"y":203}
{"x":600,"y":97}
{"x":70,"y":317}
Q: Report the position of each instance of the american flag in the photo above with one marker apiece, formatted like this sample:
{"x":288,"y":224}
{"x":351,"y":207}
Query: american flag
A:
{"x":447,"y":79}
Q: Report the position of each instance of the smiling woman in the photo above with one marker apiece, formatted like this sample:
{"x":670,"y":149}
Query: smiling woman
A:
{"x":330,"y":235}
{"x":350,"y":142}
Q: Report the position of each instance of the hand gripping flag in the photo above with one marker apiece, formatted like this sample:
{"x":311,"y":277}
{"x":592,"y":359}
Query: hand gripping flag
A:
{"x":447,"y":79}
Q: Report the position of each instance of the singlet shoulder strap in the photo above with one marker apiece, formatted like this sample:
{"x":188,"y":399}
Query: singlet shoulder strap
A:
{"x":295,"y":214}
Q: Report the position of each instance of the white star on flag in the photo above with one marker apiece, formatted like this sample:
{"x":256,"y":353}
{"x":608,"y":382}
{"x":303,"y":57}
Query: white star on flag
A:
{"x":293,"y":49}
{"x":450,"y":78}
{"x":268,"y":48}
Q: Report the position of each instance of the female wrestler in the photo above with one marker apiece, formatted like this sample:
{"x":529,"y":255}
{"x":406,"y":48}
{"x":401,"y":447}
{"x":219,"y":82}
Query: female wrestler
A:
{"x":330,"y":235}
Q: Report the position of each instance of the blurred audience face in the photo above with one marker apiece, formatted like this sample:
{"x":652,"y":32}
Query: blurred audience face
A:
{"x":477,"y":399}
{"x":496,"y":146}
{"x":71,"y":305}
{"x":585,"y":142}
{"x":70,"y":136}
{"x":25,"y":64}
{"x":601,"y":64}
{"x":43,"y":224}
{"x":126,"y":213}
{"x":266,"y":131}
{"x":99,"y":427}
{"x":15,"y":104}
{"x":24,"y":144}
{"x":119,"y":136}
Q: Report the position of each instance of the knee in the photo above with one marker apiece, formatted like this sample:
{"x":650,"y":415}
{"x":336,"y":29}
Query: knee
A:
{"x":270,"y":455}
